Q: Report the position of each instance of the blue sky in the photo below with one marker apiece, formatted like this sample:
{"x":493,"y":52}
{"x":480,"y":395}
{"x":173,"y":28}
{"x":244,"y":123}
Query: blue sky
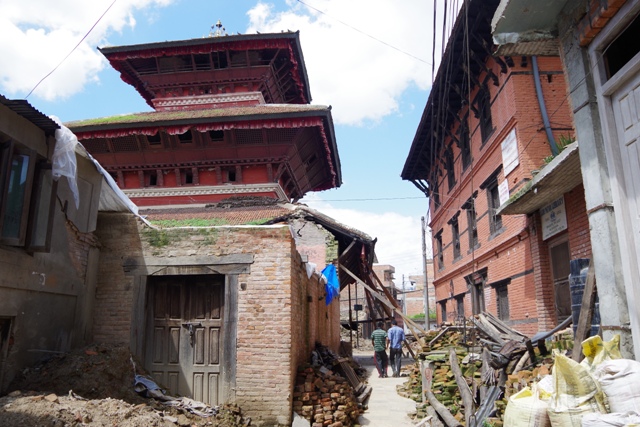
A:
{"x":370,"y":60}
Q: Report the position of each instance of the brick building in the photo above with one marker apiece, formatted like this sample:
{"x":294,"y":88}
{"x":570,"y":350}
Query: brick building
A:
{"x":482,"y":136}
{"x":223,"y":299}
{"x":598,"y":44}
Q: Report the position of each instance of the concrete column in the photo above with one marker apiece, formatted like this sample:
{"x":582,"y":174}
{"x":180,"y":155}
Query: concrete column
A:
{"x":595,"y":174}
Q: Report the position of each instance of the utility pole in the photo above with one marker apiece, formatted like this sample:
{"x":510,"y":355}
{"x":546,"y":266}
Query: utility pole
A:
{"x":426,"y":275}
{"x":404,"y":298}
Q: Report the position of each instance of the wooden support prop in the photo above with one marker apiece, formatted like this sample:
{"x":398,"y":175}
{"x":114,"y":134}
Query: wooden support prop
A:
{"x":465,"y":391}
{"x":347,"y":250}
{"x":385,"y":302}
{"x":392,"y":300}
{"x":442,"y":410}
{"x":409,"y":350}
{"x":586,"y":313}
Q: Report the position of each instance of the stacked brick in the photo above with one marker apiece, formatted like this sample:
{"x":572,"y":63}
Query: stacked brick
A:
{"x":324,"y":398}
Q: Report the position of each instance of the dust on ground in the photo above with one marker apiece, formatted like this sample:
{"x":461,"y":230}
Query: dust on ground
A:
{"x":93,"y":386}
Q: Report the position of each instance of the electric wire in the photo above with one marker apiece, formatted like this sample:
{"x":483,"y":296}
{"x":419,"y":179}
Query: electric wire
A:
{"x":72,"y":50}
{"x":364,"y":33}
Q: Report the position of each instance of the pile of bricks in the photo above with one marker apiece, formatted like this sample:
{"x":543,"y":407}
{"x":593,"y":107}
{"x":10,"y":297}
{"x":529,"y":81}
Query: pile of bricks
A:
{"x":324,"y":398}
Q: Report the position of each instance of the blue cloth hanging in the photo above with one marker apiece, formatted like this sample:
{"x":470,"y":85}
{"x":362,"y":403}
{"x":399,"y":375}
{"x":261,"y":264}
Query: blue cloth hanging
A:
{"x":333,"y":285}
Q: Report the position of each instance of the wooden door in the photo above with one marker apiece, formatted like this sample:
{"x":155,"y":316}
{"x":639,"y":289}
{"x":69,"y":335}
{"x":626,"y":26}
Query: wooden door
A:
{"x":560,"y":270}
{"x":626,"y":107}
{"x":184,"y":348}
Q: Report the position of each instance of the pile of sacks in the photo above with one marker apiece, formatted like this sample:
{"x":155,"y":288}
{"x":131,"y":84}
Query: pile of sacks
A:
{"x":602,"y":390}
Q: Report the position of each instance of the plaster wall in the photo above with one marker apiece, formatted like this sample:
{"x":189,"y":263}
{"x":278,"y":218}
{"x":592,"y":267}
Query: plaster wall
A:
{"x":46,"y":297}
{"x":597,"y":177}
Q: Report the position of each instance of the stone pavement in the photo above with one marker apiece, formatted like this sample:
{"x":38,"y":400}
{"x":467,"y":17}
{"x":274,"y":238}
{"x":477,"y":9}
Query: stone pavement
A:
{"x":386,"y":407}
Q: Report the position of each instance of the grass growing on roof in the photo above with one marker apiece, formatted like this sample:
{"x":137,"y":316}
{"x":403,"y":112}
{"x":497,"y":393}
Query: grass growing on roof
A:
{"x":192,"y":222}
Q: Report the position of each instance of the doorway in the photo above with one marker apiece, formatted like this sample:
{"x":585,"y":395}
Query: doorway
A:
{"x":560,"y":270}
{"x":184,"y":350}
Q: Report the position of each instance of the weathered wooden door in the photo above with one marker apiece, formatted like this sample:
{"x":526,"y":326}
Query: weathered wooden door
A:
{"x":184,"y":349}
{"x":626,"y":107}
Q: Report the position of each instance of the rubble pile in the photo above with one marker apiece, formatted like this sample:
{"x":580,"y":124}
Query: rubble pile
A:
{"x":492,"y":362}
{"x":325,"y":398}
{"x":329,"y":390}
{"x":95,"y":385}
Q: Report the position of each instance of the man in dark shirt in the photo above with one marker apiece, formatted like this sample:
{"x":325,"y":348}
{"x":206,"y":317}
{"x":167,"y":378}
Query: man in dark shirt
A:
{"x":379,"y":341}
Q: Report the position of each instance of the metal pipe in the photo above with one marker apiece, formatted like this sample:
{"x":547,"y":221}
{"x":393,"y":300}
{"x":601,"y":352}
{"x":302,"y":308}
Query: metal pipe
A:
{"x":425,"y":269}
{"x":543,"y":108}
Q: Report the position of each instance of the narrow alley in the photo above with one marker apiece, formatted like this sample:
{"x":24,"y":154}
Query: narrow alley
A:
{"x":386,"y":407}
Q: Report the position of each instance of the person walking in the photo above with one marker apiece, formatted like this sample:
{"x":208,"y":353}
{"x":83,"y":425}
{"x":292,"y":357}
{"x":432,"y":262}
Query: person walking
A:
{"x":379,"y":341}
{"x":394,"y":341}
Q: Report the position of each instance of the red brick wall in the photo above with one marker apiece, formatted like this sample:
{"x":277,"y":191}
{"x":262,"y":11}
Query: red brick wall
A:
{"x":281,"y":312}
{"x":578,"y":223}
{"x":509,"y":254}
{"x":578,"y":236}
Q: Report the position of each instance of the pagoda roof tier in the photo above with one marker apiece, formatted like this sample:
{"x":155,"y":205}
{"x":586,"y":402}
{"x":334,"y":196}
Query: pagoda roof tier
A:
{"x":297,"y":141}
{"x":268,"y":63}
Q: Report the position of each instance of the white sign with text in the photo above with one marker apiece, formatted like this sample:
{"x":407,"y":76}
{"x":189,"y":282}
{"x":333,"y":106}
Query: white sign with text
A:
{"x":554,"y":218}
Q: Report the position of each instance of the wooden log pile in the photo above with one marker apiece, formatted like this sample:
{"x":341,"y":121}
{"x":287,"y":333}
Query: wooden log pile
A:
{"x":476,"y":368}
{"x":324,"y":398}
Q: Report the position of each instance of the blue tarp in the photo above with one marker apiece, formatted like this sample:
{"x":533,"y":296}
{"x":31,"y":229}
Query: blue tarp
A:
{"x":333,"y":285}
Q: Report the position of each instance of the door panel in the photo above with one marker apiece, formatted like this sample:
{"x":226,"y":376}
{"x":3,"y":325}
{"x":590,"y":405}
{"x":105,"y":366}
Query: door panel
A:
{"x":561,"y":269}
{"x":626,"y":108}
{"x":186,"y":324}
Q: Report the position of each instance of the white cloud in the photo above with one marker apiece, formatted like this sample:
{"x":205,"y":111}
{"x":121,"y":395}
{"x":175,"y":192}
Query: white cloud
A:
{"x":360,"y":54}
{"x":36,"y":35}
{"x":399,"y":237}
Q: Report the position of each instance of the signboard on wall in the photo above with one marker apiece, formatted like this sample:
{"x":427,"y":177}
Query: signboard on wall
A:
{"x":510,"y":157}
{"x":503,"y":192}
{"x":554,"y":218}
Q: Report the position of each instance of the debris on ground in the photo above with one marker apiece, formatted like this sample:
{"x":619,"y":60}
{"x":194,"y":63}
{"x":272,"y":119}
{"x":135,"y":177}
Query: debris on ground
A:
{"x":95,"y":386}
{"x":481,"y":363}
{"x":329,"y":390}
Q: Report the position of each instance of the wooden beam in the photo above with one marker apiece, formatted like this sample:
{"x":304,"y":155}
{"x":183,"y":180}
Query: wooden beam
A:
{"x":442,"y":410}
{"x":341,"y":256}
{"x":384,"y":301}
{"x":465,"y":391}
{"x":586,"y":313}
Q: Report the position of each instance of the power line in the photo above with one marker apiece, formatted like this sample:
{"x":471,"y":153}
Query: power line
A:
{"x":72,"y":50}
{"x":365,"y":200}
{"x":365,"y":34}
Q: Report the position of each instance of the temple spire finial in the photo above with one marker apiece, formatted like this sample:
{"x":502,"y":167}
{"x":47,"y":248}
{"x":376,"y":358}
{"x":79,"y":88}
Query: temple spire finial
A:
{"x":219,"y":30}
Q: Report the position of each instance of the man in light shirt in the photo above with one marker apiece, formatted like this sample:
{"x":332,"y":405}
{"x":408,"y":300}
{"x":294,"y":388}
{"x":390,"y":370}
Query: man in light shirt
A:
{"x":395,"y":337}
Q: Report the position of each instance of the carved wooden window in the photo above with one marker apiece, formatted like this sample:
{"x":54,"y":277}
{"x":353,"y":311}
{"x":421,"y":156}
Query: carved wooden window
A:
{"x":465,"y":147}
{"x":449,"y":165}
{"x":439,"y":250}
{"x":484,"y":113}
{"x":455,"y":236}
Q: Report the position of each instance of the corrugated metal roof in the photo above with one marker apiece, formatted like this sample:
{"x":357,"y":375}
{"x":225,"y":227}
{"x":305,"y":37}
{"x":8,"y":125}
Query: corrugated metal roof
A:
{"x":26,"y":110}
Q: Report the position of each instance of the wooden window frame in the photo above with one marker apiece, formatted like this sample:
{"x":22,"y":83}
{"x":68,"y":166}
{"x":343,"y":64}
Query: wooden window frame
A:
{"x":37,"y":208}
